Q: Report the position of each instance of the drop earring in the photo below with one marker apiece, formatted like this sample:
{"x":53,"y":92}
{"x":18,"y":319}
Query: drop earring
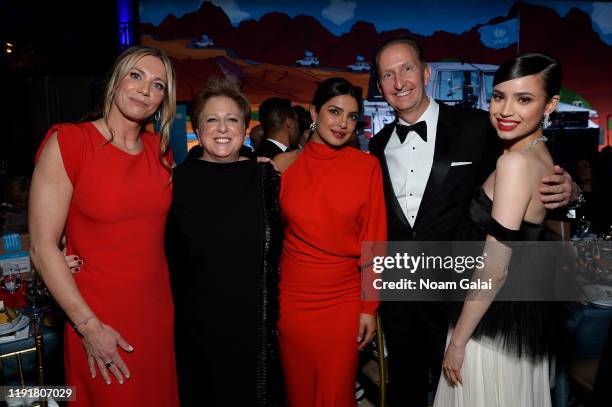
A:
{"x":546,"y":122}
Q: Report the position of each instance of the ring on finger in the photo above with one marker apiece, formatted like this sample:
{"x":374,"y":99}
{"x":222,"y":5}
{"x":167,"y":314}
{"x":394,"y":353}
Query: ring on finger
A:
{"x":109,"y":364}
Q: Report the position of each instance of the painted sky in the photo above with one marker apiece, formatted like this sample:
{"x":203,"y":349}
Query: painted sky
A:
{"x":422,"y":17}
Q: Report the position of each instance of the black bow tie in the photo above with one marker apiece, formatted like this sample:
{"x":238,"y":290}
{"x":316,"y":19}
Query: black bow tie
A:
{"x":403,"y":130}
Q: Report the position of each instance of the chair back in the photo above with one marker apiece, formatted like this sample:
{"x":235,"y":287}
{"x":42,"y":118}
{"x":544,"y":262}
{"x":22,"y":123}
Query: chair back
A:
{"x":18,"y":357}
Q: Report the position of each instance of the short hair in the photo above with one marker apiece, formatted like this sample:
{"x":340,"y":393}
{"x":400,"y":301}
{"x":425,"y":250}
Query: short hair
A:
{"x":333,"y":87}
{"x":273,"y":112}
{"x":547,"y":67}
{"x":220,"y":87}
{"x":404,"y":39}
{"x":303,"y":118}
{"x":256,"y":135}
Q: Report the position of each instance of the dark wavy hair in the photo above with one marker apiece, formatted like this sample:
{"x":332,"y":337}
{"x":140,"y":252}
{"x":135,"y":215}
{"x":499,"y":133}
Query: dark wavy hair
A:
{"x":333,"y":87}
{"x":547,"y":67}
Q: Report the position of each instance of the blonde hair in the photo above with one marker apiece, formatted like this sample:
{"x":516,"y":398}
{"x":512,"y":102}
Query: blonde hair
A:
{"x":123,"y":64}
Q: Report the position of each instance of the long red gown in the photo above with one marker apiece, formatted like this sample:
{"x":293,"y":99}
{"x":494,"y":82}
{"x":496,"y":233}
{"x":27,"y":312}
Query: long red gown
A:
{"x":116,"y":225}
{"x":331,"y":200}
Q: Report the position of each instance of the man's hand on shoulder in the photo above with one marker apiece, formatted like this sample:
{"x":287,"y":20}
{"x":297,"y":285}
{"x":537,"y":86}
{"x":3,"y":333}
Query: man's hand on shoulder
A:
{"x":558,"y":190}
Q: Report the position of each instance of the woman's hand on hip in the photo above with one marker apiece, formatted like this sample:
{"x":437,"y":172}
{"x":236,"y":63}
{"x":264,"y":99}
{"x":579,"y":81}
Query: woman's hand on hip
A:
{"x":74,"y":262}
{"x":100,"y":342}
{"x":367,"y":329}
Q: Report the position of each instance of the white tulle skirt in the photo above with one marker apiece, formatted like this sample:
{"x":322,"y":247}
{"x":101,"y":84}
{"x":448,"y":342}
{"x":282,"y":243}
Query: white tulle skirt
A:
{"x":495,"y":378}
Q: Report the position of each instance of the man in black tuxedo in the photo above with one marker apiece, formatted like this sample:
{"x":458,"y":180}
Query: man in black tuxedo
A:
{"x":433,"y":157}
{"x":268,"y":148}
{"x":280,"y":126}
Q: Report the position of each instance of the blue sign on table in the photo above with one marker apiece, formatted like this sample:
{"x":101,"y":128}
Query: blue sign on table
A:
{"x":11,"y":242}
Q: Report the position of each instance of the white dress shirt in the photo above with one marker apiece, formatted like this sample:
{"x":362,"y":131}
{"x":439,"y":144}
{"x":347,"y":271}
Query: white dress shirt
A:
{"x":410,"y":163}
{"x":279,"y":144}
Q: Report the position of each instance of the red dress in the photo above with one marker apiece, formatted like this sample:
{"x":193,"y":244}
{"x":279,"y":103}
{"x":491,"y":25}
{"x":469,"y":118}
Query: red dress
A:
{"x":331,"y":200}
{"x":116,"y":225}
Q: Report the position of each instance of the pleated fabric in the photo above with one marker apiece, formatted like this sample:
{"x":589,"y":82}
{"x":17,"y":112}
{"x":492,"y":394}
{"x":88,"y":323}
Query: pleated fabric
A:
{"x":493,"y":377}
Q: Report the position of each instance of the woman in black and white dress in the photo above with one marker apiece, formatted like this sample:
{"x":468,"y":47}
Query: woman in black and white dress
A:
{"x":497,"y":351}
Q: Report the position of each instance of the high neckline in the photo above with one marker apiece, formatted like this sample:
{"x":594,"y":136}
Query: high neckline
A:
{"x":322,"y":151}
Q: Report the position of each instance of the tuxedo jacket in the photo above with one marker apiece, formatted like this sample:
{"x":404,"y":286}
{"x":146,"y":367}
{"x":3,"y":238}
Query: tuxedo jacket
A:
{"x":465,"y":153}
{"x":268,"y":149}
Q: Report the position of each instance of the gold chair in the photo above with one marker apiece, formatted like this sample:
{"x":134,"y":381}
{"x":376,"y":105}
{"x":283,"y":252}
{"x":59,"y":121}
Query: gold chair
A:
{"x":17,"y":355}
{"x":382,"y":362}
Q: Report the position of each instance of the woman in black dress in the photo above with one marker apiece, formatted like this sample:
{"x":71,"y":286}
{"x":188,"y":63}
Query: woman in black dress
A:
{"x":223,"y":244}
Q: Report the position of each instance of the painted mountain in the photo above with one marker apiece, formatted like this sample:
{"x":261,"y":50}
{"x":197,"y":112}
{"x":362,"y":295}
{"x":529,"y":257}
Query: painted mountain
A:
{"x":263,"y":53}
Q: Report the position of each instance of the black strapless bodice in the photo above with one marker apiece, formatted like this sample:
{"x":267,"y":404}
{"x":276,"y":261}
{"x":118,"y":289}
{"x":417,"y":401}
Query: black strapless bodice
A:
{"x":480,"y":215}
{"x":526,"y":327}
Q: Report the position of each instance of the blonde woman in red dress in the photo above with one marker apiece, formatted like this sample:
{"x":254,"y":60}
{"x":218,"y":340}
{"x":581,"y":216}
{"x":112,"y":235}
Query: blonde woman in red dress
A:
{"x":107,"y":184}
{"x":331,"y":201}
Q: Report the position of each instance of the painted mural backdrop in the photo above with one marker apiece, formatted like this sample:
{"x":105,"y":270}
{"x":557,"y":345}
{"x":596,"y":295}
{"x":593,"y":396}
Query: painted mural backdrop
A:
{"x":285,"y":48}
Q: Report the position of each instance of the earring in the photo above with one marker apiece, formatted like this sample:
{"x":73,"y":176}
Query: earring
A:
{"x":313,"y":126}
{"x":546,"y":122}
{"x":157,"y":116}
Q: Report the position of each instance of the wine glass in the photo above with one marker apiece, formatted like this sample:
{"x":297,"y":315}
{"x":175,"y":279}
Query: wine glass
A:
{"x":36,"y":293}
{"x":11,"y":282}
{"x":607,"y":235}
{"x":583,"y":227}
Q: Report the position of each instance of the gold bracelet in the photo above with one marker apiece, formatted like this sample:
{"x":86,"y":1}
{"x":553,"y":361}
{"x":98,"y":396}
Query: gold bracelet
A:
{"x":83,"y":322}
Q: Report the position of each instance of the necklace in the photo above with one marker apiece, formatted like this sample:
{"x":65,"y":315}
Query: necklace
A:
{"x":533,"y":143}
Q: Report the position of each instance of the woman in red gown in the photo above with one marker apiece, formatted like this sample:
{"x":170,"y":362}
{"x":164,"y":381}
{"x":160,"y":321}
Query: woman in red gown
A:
{"x":108,"y":185}
{"x":331,"y":201}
